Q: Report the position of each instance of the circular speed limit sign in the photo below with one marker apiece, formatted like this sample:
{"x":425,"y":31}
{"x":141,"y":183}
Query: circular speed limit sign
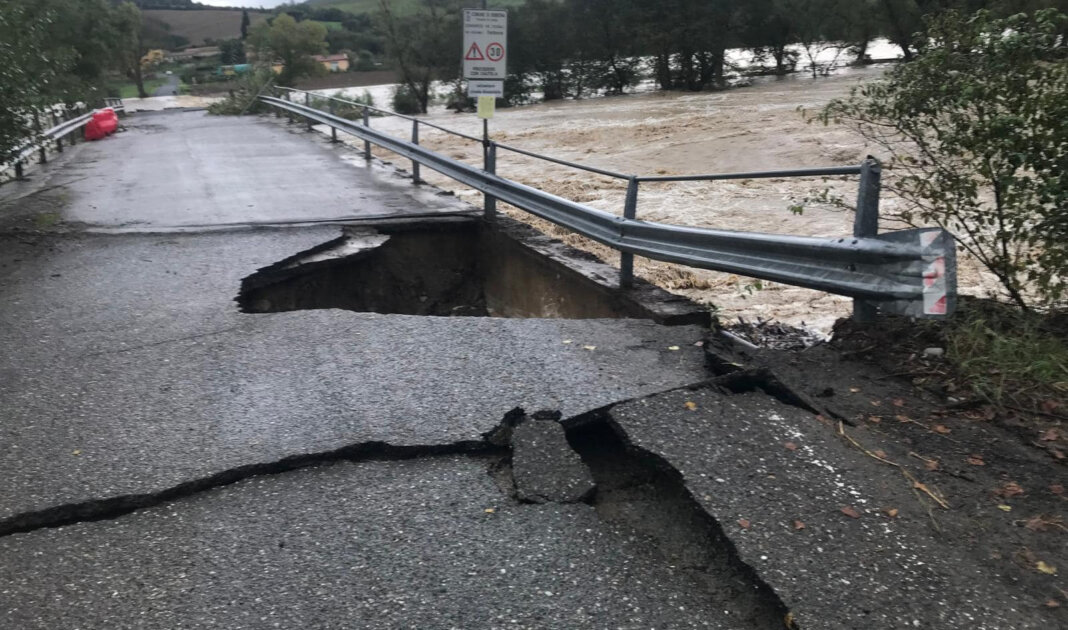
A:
{"x":495,"y":52}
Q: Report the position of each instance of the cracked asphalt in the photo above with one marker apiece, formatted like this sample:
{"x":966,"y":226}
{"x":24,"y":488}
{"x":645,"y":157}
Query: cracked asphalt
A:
{"x":129,"y":370}
{"x":417,"y":544}
{"x":152,"y":422}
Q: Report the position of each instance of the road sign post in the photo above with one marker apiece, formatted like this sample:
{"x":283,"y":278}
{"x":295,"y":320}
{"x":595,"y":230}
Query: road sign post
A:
{"x":485,"y":63}
{"x":485,"y":45}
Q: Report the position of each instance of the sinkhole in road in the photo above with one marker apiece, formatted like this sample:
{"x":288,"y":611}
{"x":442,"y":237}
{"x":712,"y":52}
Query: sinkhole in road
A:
{"x":457,"y":266}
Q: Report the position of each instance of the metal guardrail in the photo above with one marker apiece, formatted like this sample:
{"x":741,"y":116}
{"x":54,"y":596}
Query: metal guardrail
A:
{"x":910,"y":272}
{"x":60,"y":129}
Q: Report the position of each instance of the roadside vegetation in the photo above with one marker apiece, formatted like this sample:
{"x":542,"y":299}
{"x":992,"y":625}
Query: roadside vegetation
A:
{"x":974,"y":136}
{"x":62,"y":52}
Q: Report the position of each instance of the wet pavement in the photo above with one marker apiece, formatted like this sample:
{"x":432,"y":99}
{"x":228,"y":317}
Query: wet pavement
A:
{"x":417,"y":544}
{"x":190,"y":170}
{"x":131,"y":378}
{"x":172,"y":462}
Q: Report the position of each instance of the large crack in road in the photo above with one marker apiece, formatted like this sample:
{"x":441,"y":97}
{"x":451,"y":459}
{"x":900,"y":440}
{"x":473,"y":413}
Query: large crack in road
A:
{"x":172,"y":462}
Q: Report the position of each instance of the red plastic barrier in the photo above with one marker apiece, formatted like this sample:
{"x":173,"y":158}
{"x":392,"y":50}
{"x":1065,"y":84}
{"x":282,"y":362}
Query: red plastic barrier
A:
{"x":107,"y":120}
{"x":93,"y":130}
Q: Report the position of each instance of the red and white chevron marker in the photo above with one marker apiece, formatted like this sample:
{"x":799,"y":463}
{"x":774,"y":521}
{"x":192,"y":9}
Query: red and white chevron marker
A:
{"x":935,"y":301}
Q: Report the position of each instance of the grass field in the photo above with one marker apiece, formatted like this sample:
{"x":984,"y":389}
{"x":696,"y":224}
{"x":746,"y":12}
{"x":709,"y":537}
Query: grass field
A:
{"x":196,"y":26}
{"x":129,"y":90}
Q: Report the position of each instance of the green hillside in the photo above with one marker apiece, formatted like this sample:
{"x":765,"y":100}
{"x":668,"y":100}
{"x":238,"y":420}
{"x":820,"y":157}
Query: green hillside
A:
{"x":401,"y":6}
{"x":197,"y":26}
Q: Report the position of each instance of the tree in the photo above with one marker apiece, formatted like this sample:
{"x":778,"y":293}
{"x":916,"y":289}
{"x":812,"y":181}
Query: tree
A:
{"x":975,"y":128}
{"x":425,"y":46}
{"x":130,"y":43}
{"x":26,"y":68}
{"x":232,"y":51}
{"x":291,"y":43}
{"x":245,"y":23}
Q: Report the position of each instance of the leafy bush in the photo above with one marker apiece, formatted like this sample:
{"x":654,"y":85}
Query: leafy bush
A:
{"x":975,"y":128}
{"x":405,"y":101}
{"x":242,"y":99}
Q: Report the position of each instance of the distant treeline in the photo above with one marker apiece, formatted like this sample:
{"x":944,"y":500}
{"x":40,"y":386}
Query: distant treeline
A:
{"x":565,"y":48}
{"x":599,"y":42}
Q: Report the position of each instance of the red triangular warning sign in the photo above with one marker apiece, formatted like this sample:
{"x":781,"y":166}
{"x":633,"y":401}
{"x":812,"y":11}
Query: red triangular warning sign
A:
{"x":474,"y":53}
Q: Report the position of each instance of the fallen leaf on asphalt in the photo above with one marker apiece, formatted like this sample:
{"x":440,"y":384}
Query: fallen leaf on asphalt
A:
{"x":899,"y":402}
{"x":875,"y":419}
{"x":891,"y":512}
{"x":1052,"y":603}
{"x":590,"y":348}
{"x":489,"y":510}
{"x":876,"y":403}
{"x":567,"y":341}
{"x":790,"y":446}
{"x":931,"y":464}
{"x":1005,"y":508}
{"x":692,"y":406}
{"x":1056,"y":488}
{"x":901,"y":418}
{"x":1039,"y":524}
{"x":799,"y":525}
{"x":76,"y":452}
{"x":881,"y":454}
{"x":1009,"y":489}
{"x":1046,"y":568}
{"x":1049,"y":406}
{"x":941,"y":428}
{"x":743,"y":523}
{"x":976,"y":460}
{"x":850,"y":512}
{"x":854,"y":389}
{"x":673,"y":348}
{"x":1051,"y":435}
{"x":1057,"y":453}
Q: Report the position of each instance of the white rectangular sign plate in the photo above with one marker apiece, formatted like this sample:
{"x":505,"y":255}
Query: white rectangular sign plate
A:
{"x":485,"y":88}
{"x":485,"y":44}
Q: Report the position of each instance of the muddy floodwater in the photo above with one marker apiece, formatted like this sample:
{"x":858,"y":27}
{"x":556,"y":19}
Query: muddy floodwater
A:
{"x":760,"y":127}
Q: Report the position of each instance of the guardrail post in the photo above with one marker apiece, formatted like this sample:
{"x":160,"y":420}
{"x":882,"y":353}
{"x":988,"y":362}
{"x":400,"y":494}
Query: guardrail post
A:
{"x":630,"y":211}
{"x":55,"y":123}
{"x":307,"y":103}
{"x":333,"y":129}
{"x":73,"y":135}
{"x":490,"y":203}
{"x":43,"y":151}
{"x":415,"y":140}
{"x":866,"y":224}
{"x":366,"y":143}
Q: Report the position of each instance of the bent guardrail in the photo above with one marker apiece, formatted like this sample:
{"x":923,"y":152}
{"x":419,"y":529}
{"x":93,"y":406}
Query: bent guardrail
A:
{"x":910,"y":272}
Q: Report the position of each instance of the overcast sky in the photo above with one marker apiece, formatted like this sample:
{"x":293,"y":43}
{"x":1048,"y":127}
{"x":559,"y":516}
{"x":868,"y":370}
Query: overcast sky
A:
{"x":243,"y":3}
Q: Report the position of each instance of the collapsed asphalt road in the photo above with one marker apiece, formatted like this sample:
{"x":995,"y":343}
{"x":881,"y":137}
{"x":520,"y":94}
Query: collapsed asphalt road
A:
{"x":171,"y":461}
